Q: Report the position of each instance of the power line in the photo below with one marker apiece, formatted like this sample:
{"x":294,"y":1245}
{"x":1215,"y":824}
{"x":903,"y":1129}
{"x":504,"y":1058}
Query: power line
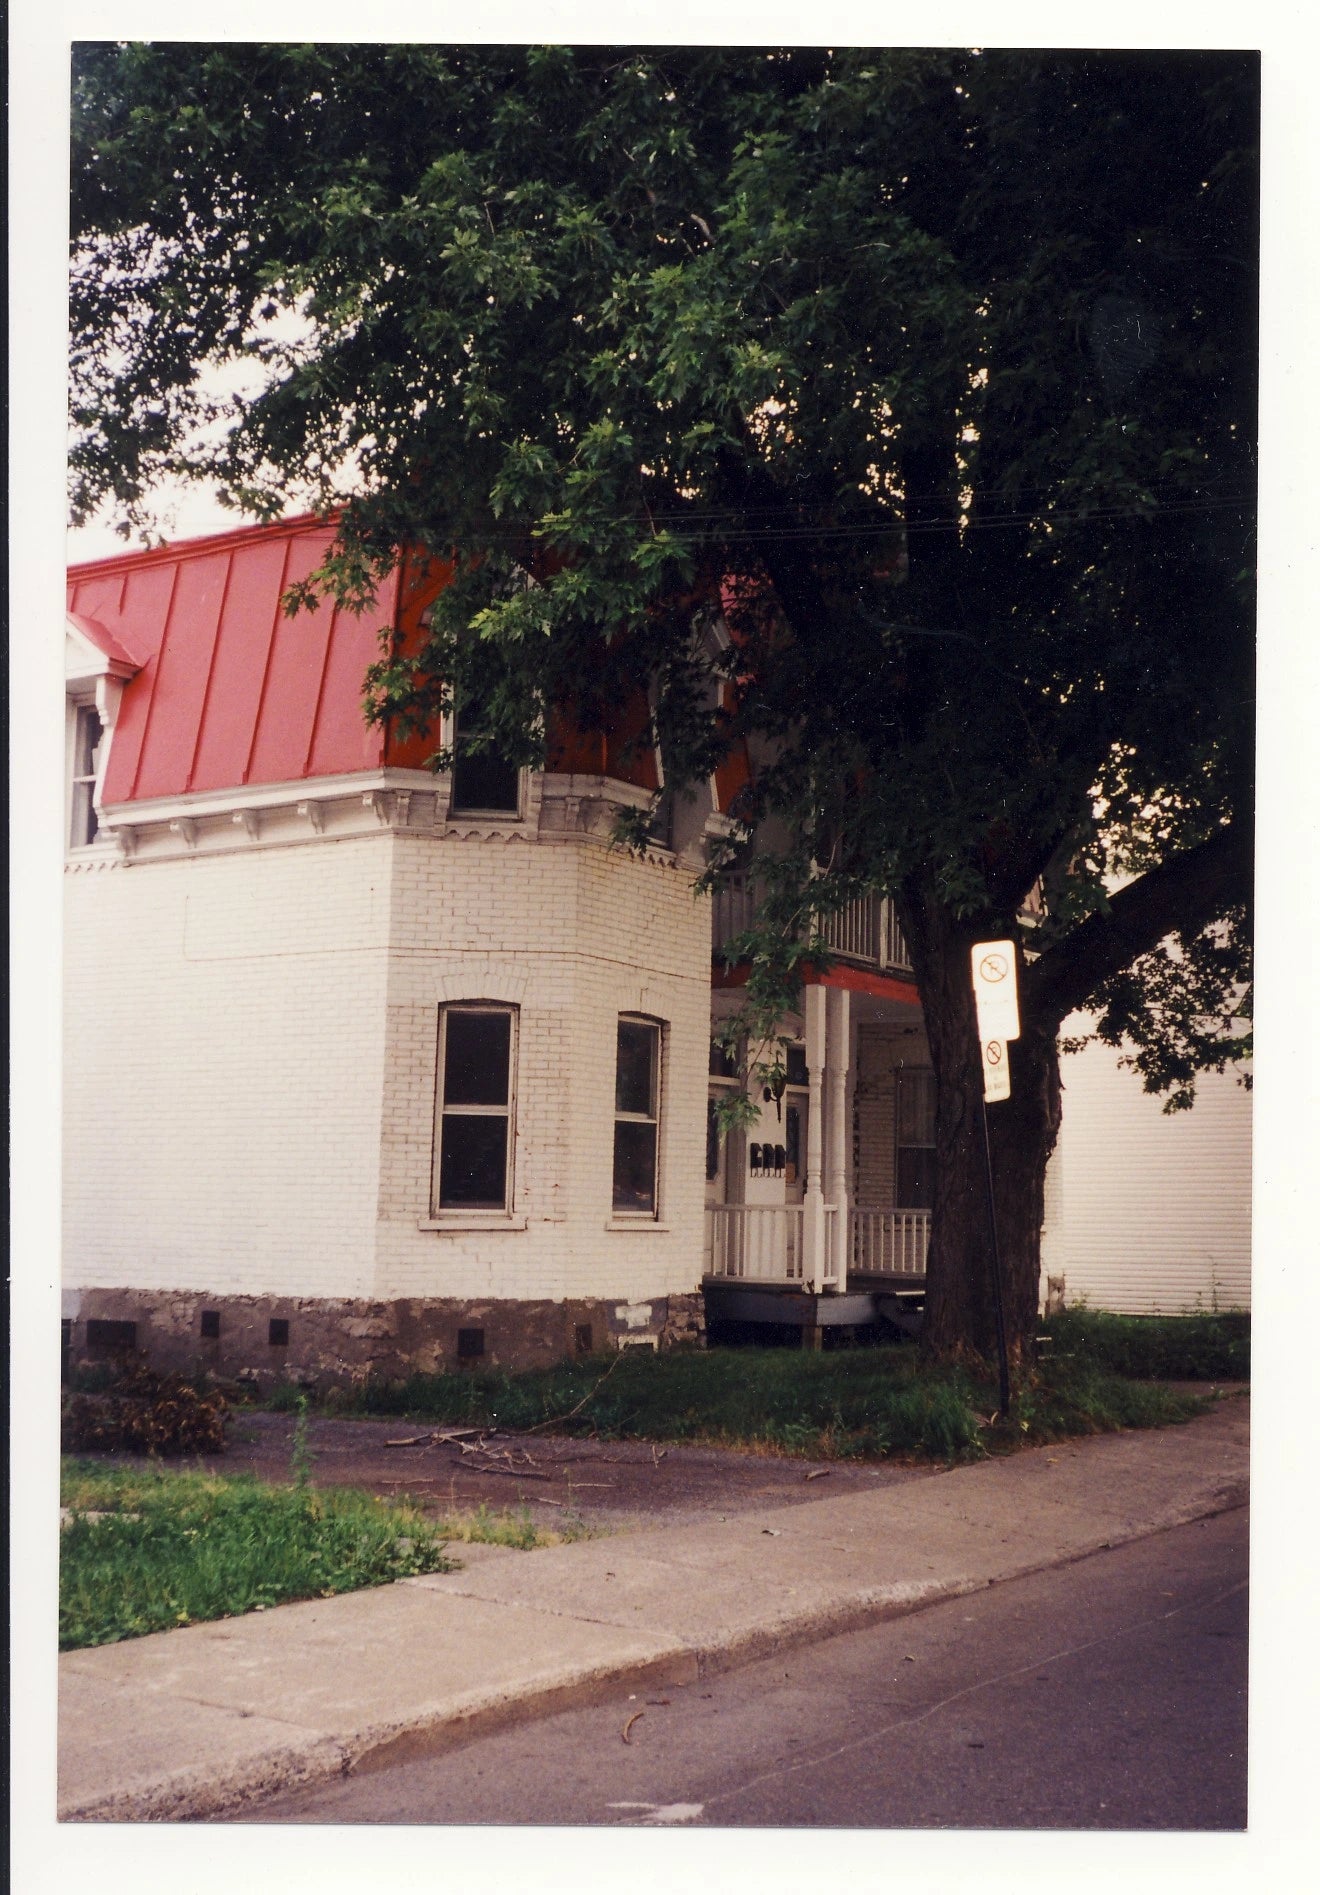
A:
{"x":689,"y":530}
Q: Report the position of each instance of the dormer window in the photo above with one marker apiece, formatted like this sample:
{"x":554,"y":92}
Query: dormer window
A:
{"x":484,"y":782}
{"x":96,"y":669}
{"x":87,"y":733}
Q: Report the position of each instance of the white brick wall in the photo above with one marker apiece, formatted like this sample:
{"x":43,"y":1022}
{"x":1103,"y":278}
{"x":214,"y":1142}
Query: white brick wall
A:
{"x":223,"y":1067}
{"x":250,"y":1064}
{"x":573,"y":935}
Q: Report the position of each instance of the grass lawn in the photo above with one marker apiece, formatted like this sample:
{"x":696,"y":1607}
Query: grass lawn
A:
{"x":175,"y":1548}
{"x":842,"y":1402}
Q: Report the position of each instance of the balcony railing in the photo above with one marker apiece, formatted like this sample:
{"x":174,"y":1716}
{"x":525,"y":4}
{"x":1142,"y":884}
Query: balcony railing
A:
{"x":865,"y":931}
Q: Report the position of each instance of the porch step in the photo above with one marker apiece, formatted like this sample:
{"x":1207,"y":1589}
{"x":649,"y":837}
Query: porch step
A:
{"x":903,"y":1308}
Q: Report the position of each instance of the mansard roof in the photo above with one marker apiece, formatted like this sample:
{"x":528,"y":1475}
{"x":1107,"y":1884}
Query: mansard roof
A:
{"x":227,"y":689}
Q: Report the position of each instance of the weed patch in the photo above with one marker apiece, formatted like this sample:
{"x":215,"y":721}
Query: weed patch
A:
{"x":831,"y":1405}
{"x":178,"y":1548}
{"x":1214,"y":1348}
{"x":141,"y":1412}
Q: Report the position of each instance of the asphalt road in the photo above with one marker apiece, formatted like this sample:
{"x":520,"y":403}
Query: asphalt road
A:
{"x":1109,"y":1694}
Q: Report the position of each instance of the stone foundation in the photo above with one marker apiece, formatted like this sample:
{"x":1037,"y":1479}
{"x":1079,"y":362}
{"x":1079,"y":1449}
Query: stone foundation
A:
{"x":321,"y":1342}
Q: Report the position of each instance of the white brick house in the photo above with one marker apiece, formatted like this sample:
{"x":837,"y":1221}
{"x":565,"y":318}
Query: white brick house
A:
{"x":393,"y":1077}
{"x":369,"y":1069}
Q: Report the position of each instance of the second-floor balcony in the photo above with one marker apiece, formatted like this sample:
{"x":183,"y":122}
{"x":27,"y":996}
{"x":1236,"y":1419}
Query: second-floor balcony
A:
{"x":865,"y":932}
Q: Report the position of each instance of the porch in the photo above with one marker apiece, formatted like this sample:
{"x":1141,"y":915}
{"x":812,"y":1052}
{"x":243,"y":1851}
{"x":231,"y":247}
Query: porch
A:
{"x":806,"y":1230}
{"x":756,"y":1268}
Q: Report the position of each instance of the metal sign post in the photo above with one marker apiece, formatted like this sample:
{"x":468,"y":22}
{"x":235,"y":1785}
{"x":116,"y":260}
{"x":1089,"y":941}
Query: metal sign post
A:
{"x":994,"y":985}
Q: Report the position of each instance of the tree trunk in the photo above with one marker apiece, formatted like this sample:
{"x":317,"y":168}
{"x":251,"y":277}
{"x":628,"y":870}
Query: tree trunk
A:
{"x":960,"y":1306}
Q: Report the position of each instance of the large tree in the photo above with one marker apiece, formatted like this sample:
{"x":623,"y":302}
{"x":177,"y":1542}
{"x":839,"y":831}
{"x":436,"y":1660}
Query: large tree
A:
{"x":933,"y":372}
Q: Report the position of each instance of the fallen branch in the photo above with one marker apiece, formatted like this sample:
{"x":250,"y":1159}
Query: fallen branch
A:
{"x":628,"y":1726}
{"x":436,"y":1437}
{"x":514,"y":1473}
{"x":553,"y":1421}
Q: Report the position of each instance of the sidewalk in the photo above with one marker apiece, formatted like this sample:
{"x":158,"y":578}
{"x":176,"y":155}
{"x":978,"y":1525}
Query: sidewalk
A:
{"x":195,"y":1723}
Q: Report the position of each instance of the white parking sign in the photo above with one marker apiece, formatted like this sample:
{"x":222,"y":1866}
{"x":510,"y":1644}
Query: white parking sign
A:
{"x":994,"y":983}
{"x":994,"y":1069}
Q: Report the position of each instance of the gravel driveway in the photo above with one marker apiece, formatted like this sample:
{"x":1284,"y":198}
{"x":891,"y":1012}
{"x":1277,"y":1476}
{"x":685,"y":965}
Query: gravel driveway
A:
{"x":603,"y":1483}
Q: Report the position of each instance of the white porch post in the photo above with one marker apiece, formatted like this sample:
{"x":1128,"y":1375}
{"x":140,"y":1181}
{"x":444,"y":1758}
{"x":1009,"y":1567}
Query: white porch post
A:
{"x":813,"y":1220}
{"x":840,"y":1008}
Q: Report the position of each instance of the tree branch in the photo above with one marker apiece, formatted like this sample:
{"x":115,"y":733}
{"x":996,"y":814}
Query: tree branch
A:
{"x":1184,"y":893}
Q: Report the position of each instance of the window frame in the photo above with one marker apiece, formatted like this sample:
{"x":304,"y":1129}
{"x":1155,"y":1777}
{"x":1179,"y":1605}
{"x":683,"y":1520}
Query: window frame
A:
{"x":81,"y":710}
{"x":484,"y":811}
{"x":462,"y":1213}
{"x":626,"y":1212}
{"x":924,"y":1073}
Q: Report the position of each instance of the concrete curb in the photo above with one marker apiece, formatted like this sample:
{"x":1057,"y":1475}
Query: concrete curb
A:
{"x":198,"y":1723}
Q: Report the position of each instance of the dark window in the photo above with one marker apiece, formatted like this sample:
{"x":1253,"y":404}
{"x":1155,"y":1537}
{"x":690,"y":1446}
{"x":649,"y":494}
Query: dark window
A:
{"x":792,"y":1143}
{"x":210,"y":1324}
{"x":475,"y":1108}
{"x":278,"y":1333}
{"x":795,"y":1065}
{"x":86,"y":749}
{"x":471,"y":1344}
{"x":723,"y":1062}
{"x":66,"y":1342}
{"x":476,"y":1058}
{"x":636,"y":1116}
{"x":582,"y":1338}
{"x":712,"y":1140}
{"x":914,"y":1139}
{"x":110,"y":1338}
{"x":483,"y":780}
{"x":474,"y":1161}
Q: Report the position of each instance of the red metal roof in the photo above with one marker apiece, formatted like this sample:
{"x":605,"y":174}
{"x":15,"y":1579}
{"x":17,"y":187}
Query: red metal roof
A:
{"x":231,"y":690}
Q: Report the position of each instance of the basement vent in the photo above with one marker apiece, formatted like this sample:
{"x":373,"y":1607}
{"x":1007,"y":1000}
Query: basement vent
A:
{"x":471,"y":1344}
{"x":110,"y":1338}
{"x":582,"y":1338}
{"x":639,"y":1342}
{"x":279,"y":1332}
{"x":211,"y":1324}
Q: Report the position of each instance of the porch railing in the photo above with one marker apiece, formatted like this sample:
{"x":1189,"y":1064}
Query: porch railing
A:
{"x":763,"y":1243}
{"x":889,"y":1243}
{"x":760,"y":1242}
{"x":865,"y":930}
{"x":829,"y":1265}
